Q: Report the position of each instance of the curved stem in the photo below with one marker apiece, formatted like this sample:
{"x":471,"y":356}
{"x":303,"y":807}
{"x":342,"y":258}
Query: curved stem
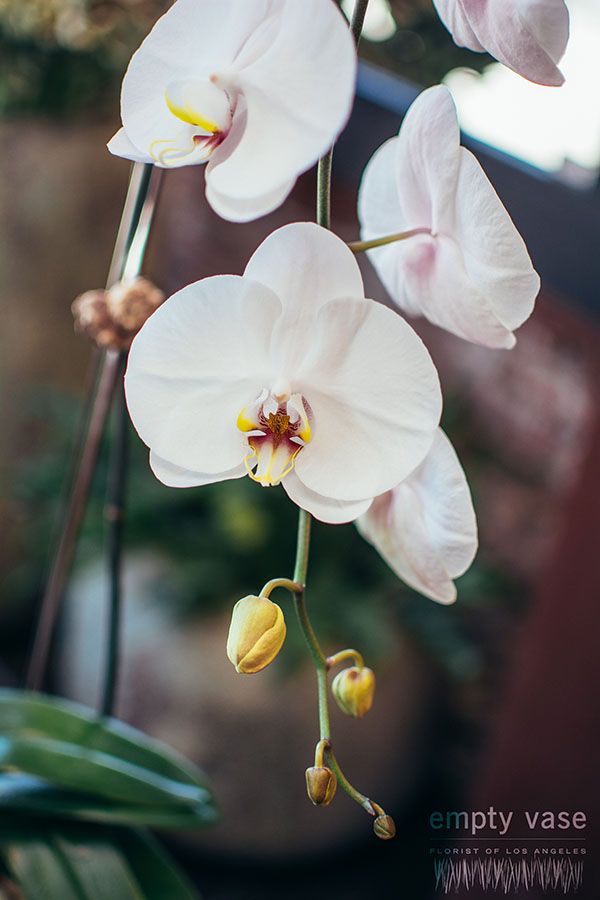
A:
{"x":372,"y":808}
{"x":343,"y":655}
{"x":131,"y":239}
{"x":362,"y":246}
{"x":114,"y":514}
{"x":292,"y":586}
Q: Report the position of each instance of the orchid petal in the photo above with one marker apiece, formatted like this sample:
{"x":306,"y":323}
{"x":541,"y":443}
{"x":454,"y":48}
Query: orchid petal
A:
{"x":494,"y":252}
{"x":332,"y":512}
{"x":425,"y":529}
{"x":528,"y":36}
{"x":188,"y":42}
{"x":234,"y":209}
{"x":375,"y":396}
{"x":196,"y":362}
{"x":417,"y":172}
{"x":429,"y":158}
{"x":472,"y":274}
{"x":120,"y":145}
{"x":453,"y":16}
{"x":306,"y":266}
{"x":294,"y":108}
{"x":177,"y":477}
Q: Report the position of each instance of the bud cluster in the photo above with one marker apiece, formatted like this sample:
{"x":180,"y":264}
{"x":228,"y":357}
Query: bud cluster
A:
{"x":112,"y":318}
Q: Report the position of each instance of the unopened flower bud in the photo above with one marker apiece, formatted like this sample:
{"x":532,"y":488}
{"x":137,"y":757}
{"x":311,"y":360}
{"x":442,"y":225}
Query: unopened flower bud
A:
{"x":321,"y":785}
{"x":353,"y":690}
{"x":384,"y":827}
{"x":256,"y":634}
{"x":131,"y":302}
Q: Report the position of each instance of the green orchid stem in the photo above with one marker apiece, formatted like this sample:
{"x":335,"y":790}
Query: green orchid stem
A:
{"x":320,"y":664}
{"x":292,"y":586}
{"x":369,"y":805}
{"x":342,"y":656}
{"x":362,"y":246}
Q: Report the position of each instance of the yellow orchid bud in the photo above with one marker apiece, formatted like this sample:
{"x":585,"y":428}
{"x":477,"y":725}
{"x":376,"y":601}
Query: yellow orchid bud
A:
{"x":256,"y":634}
{"x":353,"y":690}
{"x":384,"y":827}
{"x":321,"y":785}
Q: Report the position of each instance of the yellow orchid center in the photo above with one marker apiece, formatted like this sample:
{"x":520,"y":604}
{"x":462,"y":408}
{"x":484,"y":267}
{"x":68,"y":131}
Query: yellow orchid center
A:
{"x":201,"y":104}
{"x":277,"y":427}
{"x":207,"y":110}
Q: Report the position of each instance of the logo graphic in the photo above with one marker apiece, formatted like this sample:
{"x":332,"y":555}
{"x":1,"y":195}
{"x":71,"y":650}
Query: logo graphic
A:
{"x":507,"y":852}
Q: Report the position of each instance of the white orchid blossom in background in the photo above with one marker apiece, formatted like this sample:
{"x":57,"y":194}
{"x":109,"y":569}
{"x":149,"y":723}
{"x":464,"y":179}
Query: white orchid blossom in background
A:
{"x":287,"y":374}
{"x":258,"y":89}
{"x":528,"y":36}
{"x":425,"y":528}
{"x":465,"y":267}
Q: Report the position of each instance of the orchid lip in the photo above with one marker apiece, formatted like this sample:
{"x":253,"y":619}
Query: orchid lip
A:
{"x":277,"y":427}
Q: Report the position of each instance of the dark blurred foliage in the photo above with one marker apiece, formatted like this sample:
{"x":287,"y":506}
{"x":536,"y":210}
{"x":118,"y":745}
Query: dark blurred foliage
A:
{"x":68,"y":56}
{"x":221,"y":542}
{"x":61,"y":57}
{"x":421,"y":50}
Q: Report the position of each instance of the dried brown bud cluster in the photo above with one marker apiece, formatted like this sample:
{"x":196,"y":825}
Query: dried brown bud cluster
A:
{"x":113,"y":318}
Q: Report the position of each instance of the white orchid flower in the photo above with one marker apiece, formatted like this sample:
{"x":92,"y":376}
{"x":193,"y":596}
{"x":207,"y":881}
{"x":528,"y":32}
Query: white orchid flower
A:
{"x":528,"y":36}
{"x":465,"y":267}
{"x":425,"y":528}
{"x":287,"y":374}
{"x":259,"y":89}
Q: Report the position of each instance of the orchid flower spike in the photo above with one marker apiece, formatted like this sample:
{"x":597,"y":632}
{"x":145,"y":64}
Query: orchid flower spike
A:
{"x":286,"y":374}
{"x":244,"y":85}
{"x":528,"y":36}
{"x":425,"y":528}
{"x":466,"y":268}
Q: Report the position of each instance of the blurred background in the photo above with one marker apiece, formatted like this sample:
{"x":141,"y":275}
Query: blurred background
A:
{"x":493,"y":701}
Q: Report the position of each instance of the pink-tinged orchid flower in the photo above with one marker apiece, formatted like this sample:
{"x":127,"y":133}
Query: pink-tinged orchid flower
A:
{"x":466,"y":268}
{"x":528,"y":36}
{"x":425,"y":528}
{"x":287,"y":374}
{"x":258,"y":89}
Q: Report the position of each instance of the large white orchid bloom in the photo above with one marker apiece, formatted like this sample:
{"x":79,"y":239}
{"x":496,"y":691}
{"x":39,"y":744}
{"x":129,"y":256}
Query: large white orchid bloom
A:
{"x":287,"y":374}
{"x":425,"y":529}
{"x":528,"y":36}
{"x":467,"y":268}
{"x":259,"y":89}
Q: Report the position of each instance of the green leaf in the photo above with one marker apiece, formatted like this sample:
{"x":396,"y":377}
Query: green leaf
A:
{"x":156,"y":873}
{"x":67,"y":862}
{"x":70,"y":747}
{"x":24,"y":794}
{"x":76,"y":767}
{"x":38,"y":869}
{"x":49,"y":717}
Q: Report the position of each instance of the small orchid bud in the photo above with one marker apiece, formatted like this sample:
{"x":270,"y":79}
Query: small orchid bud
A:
{"x":256,"y":634}
{"x":384,"y":827}
{"x":133,"y":301}
{"x":353,"y":690}
{"x":321,"y":785}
